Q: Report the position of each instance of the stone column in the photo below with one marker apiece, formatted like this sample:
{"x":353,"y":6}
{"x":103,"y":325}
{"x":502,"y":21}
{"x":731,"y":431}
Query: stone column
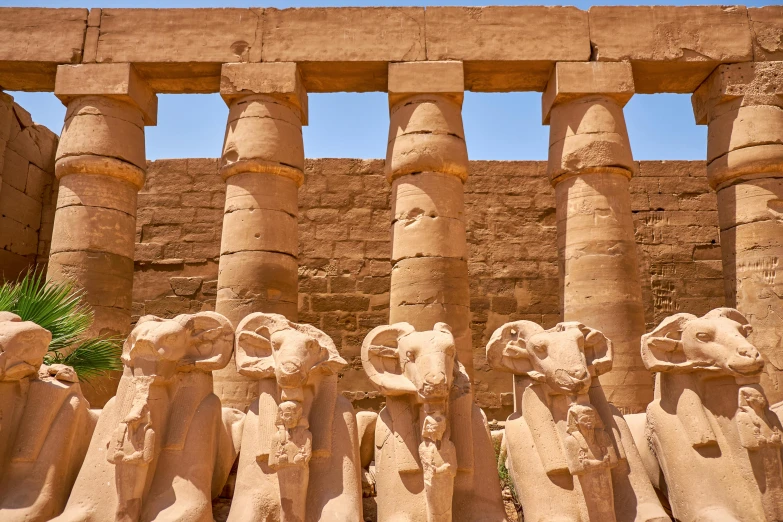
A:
{"x":427,"y":165}
{"x":590,"y":166}
{"x":100,"y":165}
{"x":742,"y":104}
{"x":263,"y":165}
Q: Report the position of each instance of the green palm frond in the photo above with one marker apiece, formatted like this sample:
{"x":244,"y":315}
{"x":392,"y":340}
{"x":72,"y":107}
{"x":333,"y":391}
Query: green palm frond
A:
{"x":62,"y":310}
{"x":93,"y":357}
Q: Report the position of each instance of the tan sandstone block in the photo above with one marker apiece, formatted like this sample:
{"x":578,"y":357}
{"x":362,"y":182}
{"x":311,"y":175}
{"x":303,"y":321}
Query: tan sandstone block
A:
{"x":573,"y":80}
{"x":106,"y":278}
{"x":81,"y":228}
{"x":259,"y":190}
{"x":428,"y":280}
{"x":424,"y":316}
{"x":672,"y":49}
{"x":97,"y":126}
{"x":426,"y":114}
{"x":259,"y":230}
{"x":430,"y":193}
{"x":766,"y":30}
{"x":35,"y":41}
{"x":343,"y":48}
{"x":588,"y":133}
{"x":180,"y":50}
{"x":424,"y":236}
{"x":118,"y":81}
{"x":507,"y":48}
{"x":738,"y":85}
{"x":749,"y":202}
{"x":745,"y":127}
{"x":20,"y":207}
{"x":263,"y":135}
{"x":282,"y":80}
{"x":266,"y":275}
{"x":97,"y":191}
{"x":412,"y":78}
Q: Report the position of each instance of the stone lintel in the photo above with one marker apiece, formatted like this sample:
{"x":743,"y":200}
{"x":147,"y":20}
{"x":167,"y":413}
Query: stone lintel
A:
{"x":119,"y":81}
{"x":572,"y":80}
{"x":757,"y":83}
{"x":279,"y":79}
{"x":446,"y":78}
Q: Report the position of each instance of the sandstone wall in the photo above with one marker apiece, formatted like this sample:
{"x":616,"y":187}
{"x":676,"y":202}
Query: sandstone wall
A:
{"x":344,"y":264}
{"x":26,"y":199}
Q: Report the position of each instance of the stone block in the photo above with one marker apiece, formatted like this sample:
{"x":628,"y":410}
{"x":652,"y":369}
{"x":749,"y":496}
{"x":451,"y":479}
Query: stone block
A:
{"x":412,"y":78}
{"x":185,"y":286}
{"x":281,"y":79}
{"x":15,"y":169}
{"x":17,"y":238}
{"x":35,"y":41}
{"x":672,"y":49}
{"x":119,"y":81}
{"x":20,"y":207}
{"x":572,"y":80}
{"x":766,"y":30}
{"x":180,"y":50}
{"x":343,"y":49}
{"x":507,"y":47}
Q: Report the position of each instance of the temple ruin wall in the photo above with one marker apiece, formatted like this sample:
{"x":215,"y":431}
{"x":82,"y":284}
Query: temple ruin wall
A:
{"x":344,"y":246}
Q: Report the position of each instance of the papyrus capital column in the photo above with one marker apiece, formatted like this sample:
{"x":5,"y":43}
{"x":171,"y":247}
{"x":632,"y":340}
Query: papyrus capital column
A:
{"x":263,"y":166}
{"x":427,"y":164}
{"x":590,"y":165}
{"x":100,"y":165}
{"x":742,"y":104}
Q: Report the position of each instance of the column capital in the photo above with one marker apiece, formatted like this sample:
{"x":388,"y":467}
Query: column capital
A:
{"x":444,"y":78}
{"x":745,"y":84}
{"x":573,"y":80}
{"x":282,"y":80}
{"x":117,"y":81}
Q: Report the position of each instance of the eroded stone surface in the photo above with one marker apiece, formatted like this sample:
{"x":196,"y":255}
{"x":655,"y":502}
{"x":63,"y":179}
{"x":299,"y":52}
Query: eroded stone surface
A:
{"x":568,"y":449}
{"x":45,"y":424}
{"x":300,"y":446}
{"x":711,"y":420}
{"x":434,"y":460}
{"x":163,"y":447}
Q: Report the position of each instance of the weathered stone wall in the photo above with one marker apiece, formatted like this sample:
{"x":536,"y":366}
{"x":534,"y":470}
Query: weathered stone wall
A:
{"x":26,"y":200}
{"x":344,"y":264}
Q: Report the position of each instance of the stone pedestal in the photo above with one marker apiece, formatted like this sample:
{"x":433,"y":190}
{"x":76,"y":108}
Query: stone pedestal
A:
{"x":262,"y":164}
{"x":590,"y":165}
{"x":100,"y":165}
{"x":427,"y":164}
{"x":743,"y":106}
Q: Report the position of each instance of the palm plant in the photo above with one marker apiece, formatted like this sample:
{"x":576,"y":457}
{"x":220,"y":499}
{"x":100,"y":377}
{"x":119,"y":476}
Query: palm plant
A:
{"x":62,"y":310}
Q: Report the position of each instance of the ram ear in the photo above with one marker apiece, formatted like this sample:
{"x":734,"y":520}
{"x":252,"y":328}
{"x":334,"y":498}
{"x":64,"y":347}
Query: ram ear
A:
{"x":253,"y":347}
{"x":381,"y":360}
{"x":507,"y":348}
{"x":598,"y":351}
{"x":211,"y":342}
{"x":662,"y":348}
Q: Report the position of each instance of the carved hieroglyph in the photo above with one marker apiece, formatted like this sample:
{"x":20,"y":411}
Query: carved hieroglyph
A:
{"x":300,"y":446}
{"x":742,"y":104}
{"x":45,"y":425}
{"x":717,"y":443}
{"x":434,"y":460}
{"x":570,"y":453}
{"x":163,"y":447}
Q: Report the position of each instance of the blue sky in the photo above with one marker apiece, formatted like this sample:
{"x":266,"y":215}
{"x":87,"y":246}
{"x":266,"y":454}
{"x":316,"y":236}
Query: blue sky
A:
{"x":497,"y":126}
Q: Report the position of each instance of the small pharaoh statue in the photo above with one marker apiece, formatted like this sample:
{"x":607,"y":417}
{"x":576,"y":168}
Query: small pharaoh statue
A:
{"x":763,"y":442}
{"x":590,"y":455}
{"x":439,"y":463}
{"x":292,"y":444}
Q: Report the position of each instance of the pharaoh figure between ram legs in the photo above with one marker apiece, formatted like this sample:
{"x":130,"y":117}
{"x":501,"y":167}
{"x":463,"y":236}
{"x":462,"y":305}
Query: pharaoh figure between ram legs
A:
{"x":570,"y":453}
